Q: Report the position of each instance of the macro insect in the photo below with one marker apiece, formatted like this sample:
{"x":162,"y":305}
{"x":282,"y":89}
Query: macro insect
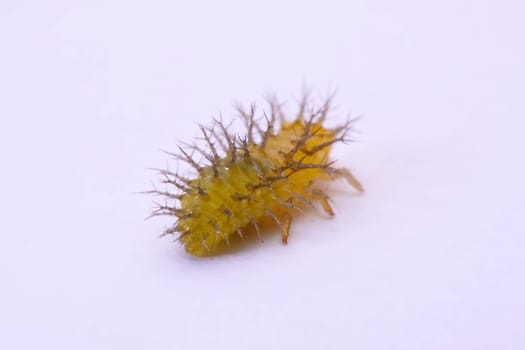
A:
{"x":270,"y":171}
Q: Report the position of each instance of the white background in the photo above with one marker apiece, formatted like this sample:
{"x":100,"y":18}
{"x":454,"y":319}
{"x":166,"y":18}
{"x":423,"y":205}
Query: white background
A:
{"x":430,"y":257}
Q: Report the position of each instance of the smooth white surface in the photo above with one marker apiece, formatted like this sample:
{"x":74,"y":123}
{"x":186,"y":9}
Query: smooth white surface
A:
{"x":430,"y":257}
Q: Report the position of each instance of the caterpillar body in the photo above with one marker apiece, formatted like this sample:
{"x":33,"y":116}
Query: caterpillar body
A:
{"x":264,"y":173}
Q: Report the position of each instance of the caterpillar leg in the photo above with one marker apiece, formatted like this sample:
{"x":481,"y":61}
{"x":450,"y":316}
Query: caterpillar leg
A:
{"x":335,"y":173}
{"x":284,"y":220}
{"x":285,"y":228}
{"x":316,"y":194}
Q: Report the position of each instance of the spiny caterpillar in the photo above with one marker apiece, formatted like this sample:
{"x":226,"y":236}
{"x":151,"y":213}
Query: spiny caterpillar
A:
{"x":248,"y":178}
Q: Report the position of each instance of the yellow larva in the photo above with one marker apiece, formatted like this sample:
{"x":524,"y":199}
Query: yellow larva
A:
{"x":264,"y":173}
